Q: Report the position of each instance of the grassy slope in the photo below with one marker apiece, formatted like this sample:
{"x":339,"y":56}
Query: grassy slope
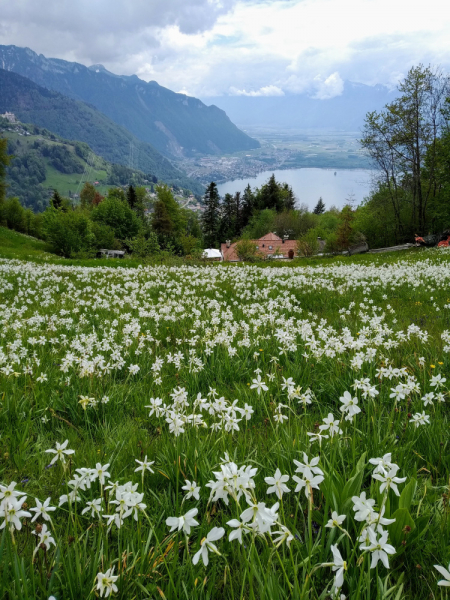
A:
{"x":64,"y":182}
{"x":122,"y":431}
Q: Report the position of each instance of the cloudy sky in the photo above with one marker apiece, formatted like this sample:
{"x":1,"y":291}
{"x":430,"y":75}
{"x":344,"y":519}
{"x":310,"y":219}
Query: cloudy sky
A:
{"x":238,"y":47}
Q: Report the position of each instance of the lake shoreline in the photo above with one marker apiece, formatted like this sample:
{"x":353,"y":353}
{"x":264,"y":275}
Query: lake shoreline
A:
{"x":335,"y":186}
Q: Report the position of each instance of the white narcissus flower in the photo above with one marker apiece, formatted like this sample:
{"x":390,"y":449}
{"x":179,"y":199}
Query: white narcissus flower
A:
{"x":382,"y":464}
{"x":339,"y":566}
{"x":106,"y":583}
{"x":445,"y":573}
{"x":437,"y":381}
{"x":284,"y":535}
{"x":309,"y":482}
{"x":206,"y":545}
{"x":258,"y":384}
{"x":193,"y":491}
{"x":42,"y":510}
{"x":277,"y":484}
{"x":362,"y":506}
{"x":144,"y":465}
{"x":389,"y":480}
{"x":12,"y":512}
{"x":184,"y":522}
{"x":336,"y":520}
{"x":349,"y":406}
{"x":60,"y":452}
{"x":379,"y":548}
{"x":330,"y":424}
{"x":308,"y":464}
{"x":239,"y":529}
{"x":44,"y":538}
{"x":420,"y":419}
{"x":101,"y":472}
{"x":95,"y":507}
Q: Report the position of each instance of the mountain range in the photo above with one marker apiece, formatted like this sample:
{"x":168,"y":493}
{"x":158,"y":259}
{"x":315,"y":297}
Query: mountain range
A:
{"x":175,"y":124}
{"x":344,"y":112}
{"x":76,"y":120}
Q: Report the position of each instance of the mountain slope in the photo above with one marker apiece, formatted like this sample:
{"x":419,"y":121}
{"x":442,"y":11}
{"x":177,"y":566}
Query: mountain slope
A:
{"x":44,"y":161}
{"x":76,"y":120}
{"x":345,"y":112}
{"x":175,"y":124}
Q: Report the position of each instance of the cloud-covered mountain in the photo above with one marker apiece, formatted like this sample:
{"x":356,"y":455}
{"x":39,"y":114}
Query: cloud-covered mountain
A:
{"x":344,"y":111}
{"x":175,"y":124}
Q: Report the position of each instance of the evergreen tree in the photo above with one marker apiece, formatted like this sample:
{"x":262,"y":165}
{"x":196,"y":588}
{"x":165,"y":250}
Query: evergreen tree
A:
{"x":131,"y":196}
{"x":237,"y":214}
{"x":227,"y":218}
{"x":56,"y":200}
{"x":270,"y":196}
{"x":320,"y":207}
{"x":345,"y":230}
{"x":211,"y":216}
{"x":5,"y":159}
{"x":248,"y":205}
{"x":287,"y":194}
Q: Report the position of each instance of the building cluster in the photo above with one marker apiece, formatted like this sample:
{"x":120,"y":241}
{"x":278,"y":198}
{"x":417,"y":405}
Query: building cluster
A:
{"x":268,"y":246}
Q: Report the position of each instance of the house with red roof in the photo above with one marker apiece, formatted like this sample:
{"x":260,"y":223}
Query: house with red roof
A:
{"x":270,"y":246}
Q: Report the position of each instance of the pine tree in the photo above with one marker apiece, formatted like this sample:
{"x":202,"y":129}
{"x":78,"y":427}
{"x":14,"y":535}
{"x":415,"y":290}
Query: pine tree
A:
{"x":270,"y":196}
{"x":248,"y":205}
{"x":56,"y":200}
{"x":211,"y":214}
{"x":288,"y":197}
{"x":320,"y":207}
{"x":227,"y":218}
{"x":131,"y":196}
{"x":5,"y":159}
{"x":237,"y":214}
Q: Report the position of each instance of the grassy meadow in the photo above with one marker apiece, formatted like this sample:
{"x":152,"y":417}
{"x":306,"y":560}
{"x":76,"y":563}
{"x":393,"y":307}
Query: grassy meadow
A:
{"x":224,"y":431}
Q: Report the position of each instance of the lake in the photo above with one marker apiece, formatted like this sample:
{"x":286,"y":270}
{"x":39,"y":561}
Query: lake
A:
{"x":311,"y":184}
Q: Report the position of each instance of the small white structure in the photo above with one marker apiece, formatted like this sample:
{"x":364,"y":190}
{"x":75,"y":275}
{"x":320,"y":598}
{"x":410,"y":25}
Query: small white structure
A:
{"x":9,"y":116}
{"x":105,"y":253}
{"x":212,"y":254}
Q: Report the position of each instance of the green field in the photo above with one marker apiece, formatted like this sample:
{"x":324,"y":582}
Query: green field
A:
{"x":73,"y":182}
{"x":308,"y":402}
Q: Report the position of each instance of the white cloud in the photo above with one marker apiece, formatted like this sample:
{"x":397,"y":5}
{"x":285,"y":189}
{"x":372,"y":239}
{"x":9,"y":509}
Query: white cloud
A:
{"x":268,"y":90}
{"x":329,"y":88}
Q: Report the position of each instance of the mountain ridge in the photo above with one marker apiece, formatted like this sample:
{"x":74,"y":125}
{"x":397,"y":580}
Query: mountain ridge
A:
{"x":344,"y":112}
{"x":175,"y":124}
{"x":76,"y":120}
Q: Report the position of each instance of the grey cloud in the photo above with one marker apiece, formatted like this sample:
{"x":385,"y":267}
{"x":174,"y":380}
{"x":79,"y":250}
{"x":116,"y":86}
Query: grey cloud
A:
{"x":102,"y":30}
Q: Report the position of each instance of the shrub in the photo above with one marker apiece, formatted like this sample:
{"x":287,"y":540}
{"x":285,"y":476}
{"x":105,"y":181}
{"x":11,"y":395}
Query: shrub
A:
{"x":308,"y":244}
{"x":116,"y":213}
{"x":246,"y":250}
{"x":67,"y":233}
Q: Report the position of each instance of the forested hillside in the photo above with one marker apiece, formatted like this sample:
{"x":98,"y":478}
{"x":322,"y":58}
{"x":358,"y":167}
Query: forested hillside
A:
{"x":176,"y":124}
{"x":75,"y":120}
{"x":44,"y":161}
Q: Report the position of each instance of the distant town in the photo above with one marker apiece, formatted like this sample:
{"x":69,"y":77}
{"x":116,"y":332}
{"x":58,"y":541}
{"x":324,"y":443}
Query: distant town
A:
{"x":280,"y":150}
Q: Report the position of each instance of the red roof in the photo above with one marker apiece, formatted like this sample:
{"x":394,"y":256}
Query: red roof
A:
{"x":268,"y":245}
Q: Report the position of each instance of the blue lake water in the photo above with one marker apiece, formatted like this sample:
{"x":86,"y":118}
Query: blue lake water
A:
{"x":311,"y":184}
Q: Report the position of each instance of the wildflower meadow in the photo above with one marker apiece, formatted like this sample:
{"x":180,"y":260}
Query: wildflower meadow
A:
{"x":257,"y":432}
